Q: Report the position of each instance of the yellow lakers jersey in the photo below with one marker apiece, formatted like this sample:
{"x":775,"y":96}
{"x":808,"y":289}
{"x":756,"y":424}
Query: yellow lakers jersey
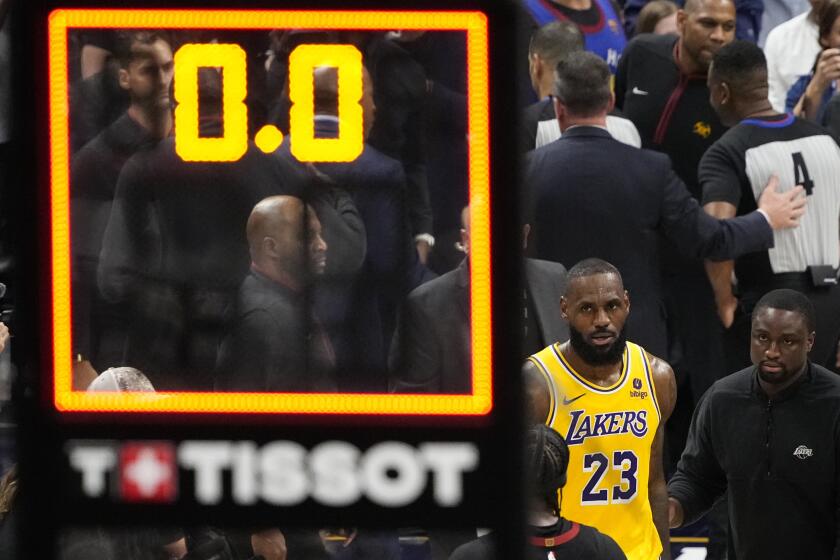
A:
{"x":610,"y":432}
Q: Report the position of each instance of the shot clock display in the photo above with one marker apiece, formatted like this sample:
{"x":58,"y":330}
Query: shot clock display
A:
{"x":235,"y":202}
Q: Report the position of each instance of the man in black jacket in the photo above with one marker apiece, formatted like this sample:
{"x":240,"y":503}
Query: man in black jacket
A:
{"x":770,"y":434}
{"x":145,"y":74}
{"x":276,"y":343}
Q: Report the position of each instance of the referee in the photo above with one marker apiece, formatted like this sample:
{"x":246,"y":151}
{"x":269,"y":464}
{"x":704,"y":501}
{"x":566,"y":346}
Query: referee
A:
{"x":762,"y":143}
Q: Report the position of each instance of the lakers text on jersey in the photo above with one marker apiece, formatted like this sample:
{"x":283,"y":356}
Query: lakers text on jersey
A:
{"x":610,"y":431}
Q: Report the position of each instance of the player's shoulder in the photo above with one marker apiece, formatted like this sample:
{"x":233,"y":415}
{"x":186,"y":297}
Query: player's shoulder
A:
{"x":659,"y":367}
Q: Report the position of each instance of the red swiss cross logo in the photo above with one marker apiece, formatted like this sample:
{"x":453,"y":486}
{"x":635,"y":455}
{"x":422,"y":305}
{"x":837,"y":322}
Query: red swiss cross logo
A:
{"x":148,"y":472}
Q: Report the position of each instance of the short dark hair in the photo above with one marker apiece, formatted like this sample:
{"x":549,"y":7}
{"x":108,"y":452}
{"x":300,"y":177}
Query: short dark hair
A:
{"x":126,"y":39}
{"x":591,"y":267}
{"x":653,"y":12}
{"x":789,"y":300}
{"x":583,"y":83}
{"x":547,"y":459}
{"x":740,"y":64}
{"x":555,"y":40}
{"x":828,"y":14}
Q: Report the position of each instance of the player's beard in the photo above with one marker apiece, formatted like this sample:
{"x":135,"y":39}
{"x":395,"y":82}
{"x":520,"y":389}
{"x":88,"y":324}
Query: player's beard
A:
{"x":593,"y":355}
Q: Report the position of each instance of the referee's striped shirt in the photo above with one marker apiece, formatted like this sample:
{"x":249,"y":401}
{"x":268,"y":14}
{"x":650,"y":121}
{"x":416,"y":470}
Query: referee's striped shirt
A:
{"x":739,"y":165}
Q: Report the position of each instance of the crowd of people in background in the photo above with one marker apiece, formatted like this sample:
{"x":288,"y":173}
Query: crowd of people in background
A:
{"x":682,"y":159}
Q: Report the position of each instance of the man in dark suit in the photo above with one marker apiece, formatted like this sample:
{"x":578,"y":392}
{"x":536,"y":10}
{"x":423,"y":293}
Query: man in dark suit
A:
{"x":359,"y":310}
{"x":276,"y":343}
{"x":431,"y":349}
{"x":595,"y":197}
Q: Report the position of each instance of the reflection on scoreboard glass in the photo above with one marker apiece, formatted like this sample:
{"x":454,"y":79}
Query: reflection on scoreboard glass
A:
{"x":239,"y":204}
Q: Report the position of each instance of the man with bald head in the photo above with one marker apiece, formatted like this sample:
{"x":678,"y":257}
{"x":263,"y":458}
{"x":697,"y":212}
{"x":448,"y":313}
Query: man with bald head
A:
{"x":276,"y":344}
{"x":661,"y":85}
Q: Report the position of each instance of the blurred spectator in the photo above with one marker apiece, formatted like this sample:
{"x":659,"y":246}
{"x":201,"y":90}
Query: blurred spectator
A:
{"x":539,"y":124}
{"x":174,"y":251}
{"x":582,"y":208}
{"x":659,"y":17}
{"x":810,"y":94}
{"x":763,"y":143}
{"x":832,"y":116}
{"x":359,"y":310}
{"x":599,"y":21}
{"x":791,"y":49}
{"x":145,"y":73}
{"x":443,"y":56}
{"x":399,"y":91}
{"x":550,"y":534}
{"x":778,"y":12}
{"x":4,"y":336}
{"x":276,"y":344}
{"x":431,"y":351}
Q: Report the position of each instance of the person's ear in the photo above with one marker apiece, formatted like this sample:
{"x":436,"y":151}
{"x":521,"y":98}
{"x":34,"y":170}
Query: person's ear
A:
{"x":725,"y":93}
{"x":809,"y":342}
{"x":627,"y":300}
{"x":122,"y":77}
{"x":559,"y":108}
{"x":611,"y":104}
{"x":564,"y":306}
{"x":269,"y":246}
{"x":682,"y":19}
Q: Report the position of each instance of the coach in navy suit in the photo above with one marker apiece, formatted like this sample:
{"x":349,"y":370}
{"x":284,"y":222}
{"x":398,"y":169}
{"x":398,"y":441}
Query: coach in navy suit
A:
{"x":592,"y":196}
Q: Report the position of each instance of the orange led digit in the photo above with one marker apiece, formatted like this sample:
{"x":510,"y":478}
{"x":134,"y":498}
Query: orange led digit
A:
{"x":302,"y":63}
{"x":233,"y":143}
{"x":191,"y":147}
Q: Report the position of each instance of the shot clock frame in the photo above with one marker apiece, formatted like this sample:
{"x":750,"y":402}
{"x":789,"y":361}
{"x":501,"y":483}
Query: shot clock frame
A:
{"x":305,"y":147}
{"x":237,"y":459}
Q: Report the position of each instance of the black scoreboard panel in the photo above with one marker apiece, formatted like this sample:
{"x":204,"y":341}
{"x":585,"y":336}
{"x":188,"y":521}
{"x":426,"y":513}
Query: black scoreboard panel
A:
{"x":327,"y":459}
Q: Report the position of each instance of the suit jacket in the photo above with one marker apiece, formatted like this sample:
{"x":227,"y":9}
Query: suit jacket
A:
{"x":360,"y":310}
{"x":592,"y":196}
{"x":431,"y":349}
